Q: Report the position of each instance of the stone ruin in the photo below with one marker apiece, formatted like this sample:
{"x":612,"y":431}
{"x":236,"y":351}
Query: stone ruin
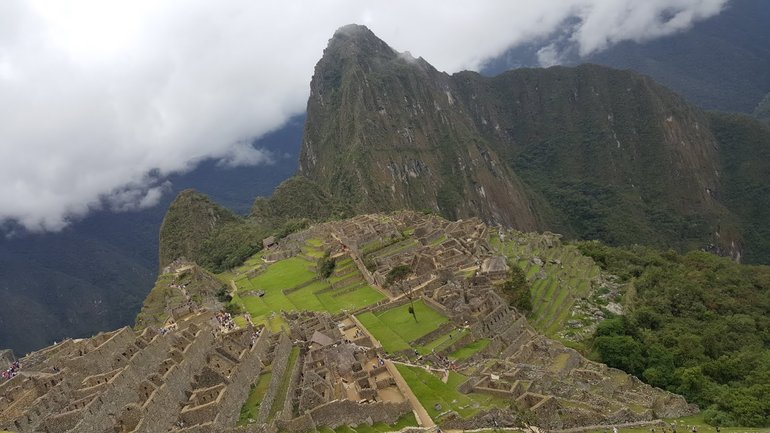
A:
{"x":325,"y":370}
{"x":455,"y":271}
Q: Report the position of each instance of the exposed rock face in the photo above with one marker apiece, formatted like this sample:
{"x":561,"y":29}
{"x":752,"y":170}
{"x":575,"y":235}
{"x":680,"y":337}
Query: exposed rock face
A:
{"x":589,"y":152}
{"x":385,"y":131}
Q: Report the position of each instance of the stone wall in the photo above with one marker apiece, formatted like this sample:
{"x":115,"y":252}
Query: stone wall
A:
{"x":436,"y":306}
{"x":345,"y":412}
{"x":160,"y":411}
{"x":288,"y":404}
{"x":122,"y":391}
{"x":280,"y":361}
{"x":235,"y":394}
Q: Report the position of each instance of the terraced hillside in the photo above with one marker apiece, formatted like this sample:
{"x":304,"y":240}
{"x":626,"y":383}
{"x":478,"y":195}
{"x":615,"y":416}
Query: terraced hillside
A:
{"x":560,"y":278}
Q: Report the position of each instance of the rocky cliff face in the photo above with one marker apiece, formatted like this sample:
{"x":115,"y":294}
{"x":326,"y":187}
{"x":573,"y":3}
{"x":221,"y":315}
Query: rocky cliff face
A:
{"x":385,"y":131}
{"x":590,"y":152}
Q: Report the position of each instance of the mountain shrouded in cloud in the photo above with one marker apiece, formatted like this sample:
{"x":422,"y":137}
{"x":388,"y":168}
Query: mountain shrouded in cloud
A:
{"x":100,"y":101}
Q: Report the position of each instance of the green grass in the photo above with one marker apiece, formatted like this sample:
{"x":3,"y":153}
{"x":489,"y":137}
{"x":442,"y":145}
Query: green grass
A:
{"x":444,"y":341}
{"x":430,"y":390}
{"x":403,"y":323}
{"x":283,"y":388}
{"x":395,"y":328}
{"x":469,"y":350}
{"x":250,"y":408}
{"x":282,"y":275}
{"x":390,"y":341}
{"x":292,"y":272}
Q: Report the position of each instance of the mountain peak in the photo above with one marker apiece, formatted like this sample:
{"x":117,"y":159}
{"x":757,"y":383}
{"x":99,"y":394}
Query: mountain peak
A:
{"x":356,"y":43}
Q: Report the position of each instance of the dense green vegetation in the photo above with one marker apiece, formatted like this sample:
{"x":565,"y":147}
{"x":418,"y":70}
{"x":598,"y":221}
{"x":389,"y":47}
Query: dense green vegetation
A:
{"x":202,"y":231}
{"x":697,"y":325}
{"x":516,"y":289}
{"x":745,"y":156}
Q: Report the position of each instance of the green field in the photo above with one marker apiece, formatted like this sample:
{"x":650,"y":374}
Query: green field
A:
{"x":314,"y":295}
{"x":395,"y":328}
{"x":469,"y":350}
{"x":430,"y":390}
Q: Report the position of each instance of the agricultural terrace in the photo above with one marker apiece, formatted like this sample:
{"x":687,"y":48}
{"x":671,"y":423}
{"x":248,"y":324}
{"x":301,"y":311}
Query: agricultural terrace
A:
{"x":294,"y":285}
{"x":438,"y":397}
{"x":396,"y":328}
{"x":558,"y":274}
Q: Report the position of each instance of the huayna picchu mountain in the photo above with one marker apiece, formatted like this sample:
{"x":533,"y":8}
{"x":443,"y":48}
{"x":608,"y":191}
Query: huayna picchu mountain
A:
{"x":589,"y":152}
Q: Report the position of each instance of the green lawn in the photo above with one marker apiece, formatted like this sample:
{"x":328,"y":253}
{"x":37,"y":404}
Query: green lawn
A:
{"x":469,"y":350}
{"x":292,"y":272}
{"x":250,"y":408}
{"x":283,"y":274}
{"x":395,"y":328}
{"x":443,"y":341}
{"x":430,"y":390}
{"x":403,"y":323}
{"x":390,"y":341}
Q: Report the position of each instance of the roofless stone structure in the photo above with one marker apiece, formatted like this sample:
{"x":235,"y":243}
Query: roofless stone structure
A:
{"x":327,"y":370}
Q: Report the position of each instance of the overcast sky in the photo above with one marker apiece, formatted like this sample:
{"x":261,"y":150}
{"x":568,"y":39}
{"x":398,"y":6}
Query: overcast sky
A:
{"x":100,"y":100}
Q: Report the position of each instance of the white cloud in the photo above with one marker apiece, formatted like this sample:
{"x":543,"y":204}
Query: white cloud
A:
{"x":96,"y":94}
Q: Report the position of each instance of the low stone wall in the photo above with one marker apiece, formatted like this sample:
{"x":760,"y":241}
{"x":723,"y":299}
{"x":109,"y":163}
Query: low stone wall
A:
{"x":388,"y":306}
{"x":240,"y":385}
{"x":457,"y":345}
{"x":123,"y":391}
{"x":436,"y":306}
{"x":432,"y":335}
{"x":162,"y":408}
{"x":345,"y":412}
{"x":300,"y":424}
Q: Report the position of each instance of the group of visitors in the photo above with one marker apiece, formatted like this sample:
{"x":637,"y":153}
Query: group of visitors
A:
{"x":12,"y":371}
{"x":225,"y":320}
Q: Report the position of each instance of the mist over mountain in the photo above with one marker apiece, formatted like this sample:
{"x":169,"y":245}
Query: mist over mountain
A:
{"x":721,"y":63}
{"x":95,"y":274}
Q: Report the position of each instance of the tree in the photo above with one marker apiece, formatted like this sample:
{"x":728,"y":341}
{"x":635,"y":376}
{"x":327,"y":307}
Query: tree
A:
{"x":326,"y":265}
{"x":516,"y":289}
{"x":395,"y":276}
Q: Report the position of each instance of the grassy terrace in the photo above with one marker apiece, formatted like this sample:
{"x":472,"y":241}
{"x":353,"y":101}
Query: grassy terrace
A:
{"x":568,"y":276}
{"x":283,"y":389}
{"x":469,"y":350}
{"x":250,"y":408}
{"x":395,"y":328}
{"x":430,"y":390}
{"x":293,"y":285}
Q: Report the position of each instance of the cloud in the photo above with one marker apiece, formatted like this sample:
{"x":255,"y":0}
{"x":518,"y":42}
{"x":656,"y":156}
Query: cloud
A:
{"x":95,"y":94}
